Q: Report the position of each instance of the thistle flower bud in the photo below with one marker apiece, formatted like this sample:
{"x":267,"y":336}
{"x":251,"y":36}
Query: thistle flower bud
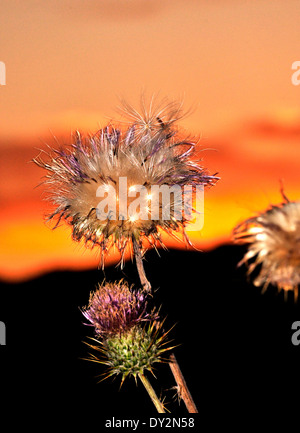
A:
{"x":274,"y":241}
{"x":133,"y":351}
{"x":114,"y":308}
{"x":129,"y":338}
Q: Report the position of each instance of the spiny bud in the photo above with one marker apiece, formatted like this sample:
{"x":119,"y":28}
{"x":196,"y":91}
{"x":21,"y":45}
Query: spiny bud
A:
{"x":132,"y":352}
{"x":129,"y":339}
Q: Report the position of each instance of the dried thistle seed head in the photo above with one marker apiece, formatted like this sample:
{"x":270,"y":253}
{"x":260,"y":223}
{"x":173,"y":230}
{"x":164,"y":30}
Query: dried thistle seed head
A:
{"x":115,"y":166}
{"x":274,"y":242}
{"x":115,"y":308}
{"x":133,"y":351}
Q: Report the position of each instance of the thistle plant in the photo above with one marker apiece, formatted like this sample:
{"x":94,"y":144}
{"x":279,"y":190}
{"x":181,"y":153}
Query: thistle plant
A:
{"x":129,"y":340}
{"x":115,"y":165}
{"x":273,"y":237}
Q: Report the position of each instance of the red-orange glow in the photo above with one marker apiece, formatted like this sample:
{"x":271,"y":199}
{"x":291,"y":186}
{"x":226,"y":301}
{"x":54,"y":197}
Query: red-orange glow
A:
{"x":29,"y":247}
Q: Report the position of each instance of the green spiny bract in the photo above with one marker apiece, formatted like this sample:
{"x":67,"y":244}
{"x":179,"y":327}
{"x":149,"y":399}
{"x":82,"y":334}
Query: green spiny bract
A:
{"x":132,"y":352}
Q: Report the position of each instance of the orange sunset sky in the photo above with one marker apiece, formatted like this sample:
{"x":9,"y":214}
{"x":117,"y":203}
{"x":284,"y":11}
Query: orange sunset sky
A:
{"x":67,"y":64}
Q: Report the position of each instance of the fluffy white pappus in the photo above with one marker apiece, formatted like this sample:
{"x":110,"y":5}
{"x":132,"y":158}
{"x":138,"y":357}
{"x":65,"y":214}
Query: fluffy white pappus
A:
{"x":148,"y":152}
{"x":274,"y":243}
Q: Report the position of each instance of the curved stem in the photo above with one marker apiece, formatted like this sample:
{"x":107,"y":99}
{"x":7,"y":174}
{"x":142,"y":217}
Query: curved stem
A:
{"x":139,"y":264}
{"x":157,"y":403}
{"x":183,"y":390}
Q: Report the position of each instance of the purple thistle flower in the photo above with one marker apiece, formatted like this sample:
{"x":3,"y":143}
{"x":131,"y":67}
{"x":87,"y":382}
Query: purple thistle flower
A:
{"x":114,"y":309}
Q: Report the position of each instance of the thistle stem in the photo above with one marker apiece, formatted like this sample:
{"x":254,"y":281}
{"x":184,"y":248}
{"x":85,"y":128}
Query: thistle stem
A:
{"x":139,"y":264}
{"x":157,"y":403}
{"x":183,"y":390}
{"x":174,"y":366}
